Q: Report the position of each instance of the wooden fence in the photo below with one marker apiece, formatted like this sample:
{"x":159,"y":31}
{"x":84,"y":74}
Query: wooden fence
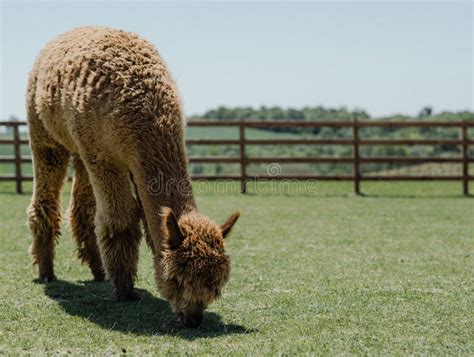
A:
{"x":355,"y":141}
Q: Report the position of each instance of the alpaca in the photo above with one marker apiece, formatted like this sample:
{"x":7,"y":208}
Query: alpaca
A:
{"x":105,"y":98}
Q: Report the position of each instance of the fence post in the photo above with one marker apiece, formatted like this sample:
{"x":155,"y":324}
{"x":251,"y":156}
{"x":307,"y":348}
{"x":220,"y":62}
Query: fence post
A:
{"x":243,"y":160}
{"x":17,"y":152}
{"x":465,"y":162}
{"x":356,"y":156}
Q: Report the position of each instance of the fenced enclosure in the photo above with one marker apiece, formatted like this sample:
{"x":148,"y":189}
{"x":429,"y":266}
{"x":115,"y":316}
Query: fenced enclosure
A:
{"x":243,"y":159}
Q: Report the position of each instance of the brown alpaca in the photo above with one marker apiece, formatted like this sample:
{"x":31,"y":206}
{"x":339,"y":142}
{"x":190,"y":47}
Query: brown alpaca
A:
{"x":105,"y":97}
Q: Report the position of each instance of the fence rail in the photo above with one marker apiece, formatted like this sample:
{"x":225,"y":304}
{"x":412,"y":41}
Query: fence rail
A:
{"x":355,"y":141}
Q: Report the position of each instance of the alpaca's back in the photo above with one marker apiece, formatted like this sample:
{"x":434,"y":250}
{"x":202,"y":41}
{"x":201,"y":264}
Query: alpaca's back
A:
{"x":94,"y":82}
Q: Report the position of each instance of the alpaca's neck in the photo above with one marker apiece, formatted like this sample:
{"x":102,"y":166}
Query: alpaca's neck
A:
{"x":160,"y":173}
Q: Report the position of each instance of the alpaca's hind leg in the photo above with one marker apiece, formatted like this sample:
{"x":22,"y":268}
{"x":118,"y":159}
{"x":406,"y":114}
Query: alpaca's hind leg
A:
{"x":82,"y":213}
{"x":44,"y":212}
{"x":117,"y":224}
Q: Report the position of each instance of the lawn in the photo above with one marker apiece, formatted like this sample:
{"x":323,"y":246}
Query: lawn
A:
{"x":325,"y":273}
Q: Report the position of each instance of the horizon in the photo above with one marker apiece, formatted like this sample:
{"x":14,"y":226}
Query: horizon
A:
{"x":383,"y":58}
{"x":13,"y":117}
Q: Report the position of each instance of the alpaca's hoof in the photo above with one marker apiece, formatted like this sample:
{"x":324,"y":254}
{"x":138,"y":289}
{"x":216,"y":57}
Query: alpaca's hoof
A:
{"x":49,"y":279}
{"x":99,"y":276}
{"x":131,"y":296}
{"x":46,"y":278}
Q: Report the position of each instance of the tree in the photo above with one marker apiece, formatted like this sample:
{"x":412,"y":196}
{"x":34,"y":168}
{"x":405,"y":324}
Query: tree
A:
{"x":425,"y":112}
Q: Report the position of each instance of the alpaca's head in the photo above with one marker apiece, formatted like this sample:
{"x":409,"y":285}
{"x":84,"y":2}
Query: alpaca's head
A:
{"x":194,"y":266}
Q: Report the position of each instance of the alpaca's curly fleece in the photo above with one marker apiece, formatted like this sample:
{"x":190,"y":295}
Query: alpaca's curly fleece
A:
{"x":105,"y":97}
{"x":93,"y":66}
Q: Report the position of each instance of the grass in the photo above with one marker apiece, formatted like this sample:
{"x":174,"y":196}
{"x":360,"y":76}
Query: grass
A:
{"x":325,"y":273}
{"x":435,"y":169}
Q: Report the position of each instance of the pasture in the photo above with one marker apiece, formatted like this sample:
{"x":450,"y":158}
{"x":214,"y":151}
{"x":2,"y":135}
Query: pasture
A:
{"x":326,"y":272}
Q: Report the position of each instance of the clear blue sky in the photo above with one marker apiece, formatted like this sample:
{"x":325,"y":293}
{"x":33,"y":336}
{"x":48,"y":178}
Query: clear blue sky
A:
{"x":383,"y":57}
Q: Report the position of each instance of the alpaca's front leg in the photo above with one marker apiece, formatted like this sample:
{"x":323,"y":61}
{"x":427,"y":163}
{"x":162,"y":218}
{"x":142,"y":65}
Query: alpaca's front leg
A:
{"x":117,"y":226}
{"x":119,"y":250}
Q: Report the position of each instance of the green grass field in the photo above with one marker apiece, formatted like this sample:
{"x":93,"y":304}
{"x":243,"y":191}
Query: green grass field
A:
{"x":325,"y":273}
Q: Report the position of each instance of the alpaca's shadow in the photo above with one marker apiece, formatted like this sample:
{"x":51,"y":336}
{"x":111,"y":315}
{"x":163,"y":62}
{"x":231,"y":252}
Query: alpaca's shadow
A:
{"x":148,"y":316}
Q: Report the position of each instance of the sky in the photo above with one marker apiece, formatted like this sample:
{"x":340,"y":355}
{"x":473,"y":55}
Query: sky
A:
{"x":383,"y":57}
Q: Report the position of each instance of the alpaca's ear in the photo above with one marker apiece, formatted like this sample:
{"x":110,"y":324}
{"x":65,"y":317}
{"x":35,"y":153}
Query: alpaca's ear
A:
{"x":173,"y":234}
{"x":227,"y":226}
